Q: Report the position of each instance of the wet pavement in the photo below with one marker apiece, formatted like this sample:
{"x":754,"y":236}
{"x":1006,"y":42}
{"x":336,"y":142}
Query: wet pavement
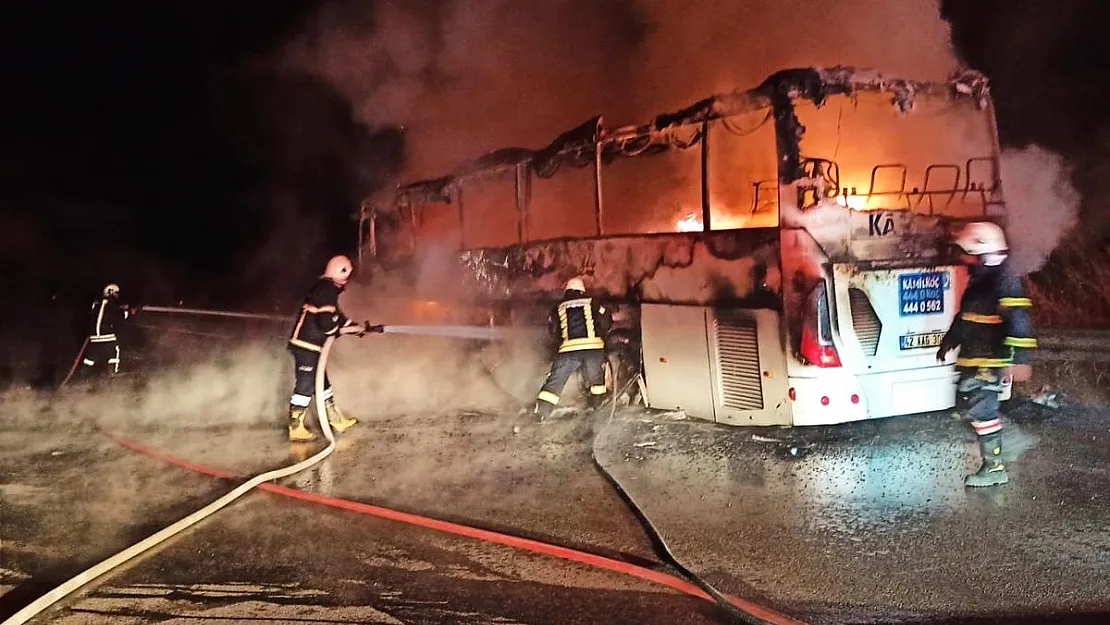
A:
{"x":271,"y":560}
{"x":72,"y":498}
{"x":867,"y":522}
{"x":871,"y":522}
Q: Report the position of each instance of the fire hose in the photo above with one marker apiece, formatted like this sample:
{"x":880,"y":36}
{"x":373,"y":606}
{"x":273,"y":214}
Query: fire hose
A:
{"x":95,"y":571}
{"x":460,"y":332}
{"x":76,"y":361}
{"x":738,"y":609}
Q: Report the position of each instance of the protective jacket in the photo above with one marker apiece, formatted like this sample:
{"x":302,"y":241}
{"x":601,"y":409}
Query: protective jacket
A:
{"x":993,"y":327}
{"x":579,"y":323}
{"x":107,"y":319}
{"x":319,"y":317}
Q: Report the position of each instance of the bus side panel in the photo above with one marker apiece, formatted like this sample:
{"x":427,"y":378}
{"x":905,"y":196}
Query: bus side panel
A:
{"x":718,"y":364}
{"x":676,"y":359}
{"x":733,"y":267}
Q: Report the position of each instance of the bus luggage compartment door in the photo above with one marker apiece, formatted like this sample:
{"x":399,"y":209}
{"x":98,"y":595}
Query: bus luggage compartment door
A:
{"x":724,"y":365}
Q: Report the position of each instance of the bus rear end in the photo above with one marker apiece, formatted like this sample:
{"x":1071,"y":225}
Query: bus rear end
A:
{"x":865,"y":228}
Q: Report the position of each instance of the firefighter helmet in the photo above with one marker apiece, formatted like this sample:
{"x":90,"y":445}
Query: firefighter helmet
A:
{"x":112,"y":290}
{"x":575,"y":284}
{"x":982,"y":237}
{"x":339,"y":269}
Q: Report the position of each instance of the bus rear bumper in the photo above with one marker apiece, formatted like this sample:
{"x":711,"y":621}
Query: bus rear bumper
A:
{"x":872,"y":396}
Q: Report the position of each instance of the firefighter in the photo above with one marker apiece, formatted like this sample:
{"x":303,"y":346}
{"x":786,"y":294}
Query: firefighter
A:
{"x":108,"y":315}
{"x":994,"y":333}
{"x":578,"y":324}
{"x":319,"y":318}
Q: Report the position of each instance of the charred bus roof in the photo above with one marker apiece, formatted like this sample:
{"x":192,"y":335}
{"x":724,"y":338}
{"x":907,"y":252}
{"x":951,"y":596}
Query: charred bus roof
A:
{"x":579,"y":145}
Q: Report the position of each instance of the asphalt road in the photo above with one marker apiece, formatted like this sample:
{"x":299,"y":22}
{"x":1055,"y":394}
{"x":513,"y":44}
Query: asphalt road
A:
{"x":871,"y":522}
{"x":73,"y":497}
{"x":860,"y":523}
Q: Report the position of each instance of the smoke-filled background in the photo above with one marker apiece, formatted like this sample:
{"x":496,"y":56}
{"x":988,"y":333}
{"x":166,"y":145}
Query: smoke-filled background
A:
{"x":215,"y":152}
{"x":199,"y":150}
{"x":468,"y":76}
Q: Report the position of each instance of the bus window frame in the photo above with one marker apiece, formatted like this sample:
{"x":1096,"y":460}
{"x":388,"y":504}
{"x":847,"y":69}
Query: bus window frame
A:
{"x":780,"y":102}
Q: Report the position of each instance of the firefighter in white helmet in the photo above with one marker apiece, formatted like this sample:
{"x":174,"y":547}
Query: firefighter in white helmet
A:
{"x":102,"y":351}
{"x":579,"y":325}
{"x":994,"y":333}
{"x":319,"y":318}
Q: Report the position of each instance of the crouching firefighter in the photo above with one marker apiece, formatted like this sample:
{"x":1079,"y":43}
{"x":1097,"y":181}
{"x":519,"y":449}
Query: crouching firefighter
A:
{"x":579,"y":324}
{"x":108,"y":315}
{"x":994,"y":332}
{"x":319,"y":318}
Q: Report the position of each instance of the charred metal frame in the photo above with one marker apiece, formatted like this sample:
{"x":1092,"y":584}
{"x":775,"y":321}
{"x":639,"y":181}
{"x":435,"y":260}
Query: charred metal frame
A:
{"x":590,"y":144}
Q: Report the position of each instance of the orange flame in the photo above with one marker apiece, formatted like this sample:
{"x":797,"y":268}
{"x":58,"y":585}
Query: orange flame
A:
{"x":690,"y":223}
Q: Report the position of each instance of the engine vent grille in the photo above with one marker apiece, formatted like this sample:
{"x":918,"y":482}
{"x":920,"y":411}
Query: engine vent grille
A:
{"x":740,"y":377}
{"x":865,"y":322}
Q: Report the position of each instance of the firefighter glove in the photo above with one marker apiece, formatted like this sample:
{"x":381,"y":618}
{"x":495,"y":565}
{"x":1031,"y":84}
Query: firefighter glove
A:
{"x":942,"y":353}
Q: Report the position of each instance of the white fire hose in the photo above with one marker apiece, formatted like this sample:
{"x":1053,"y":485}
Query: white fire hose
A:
{"x":460,"y":332}
{"x":65,"y":589}
{"x":88,"y":575}
{"x":213,"y":313}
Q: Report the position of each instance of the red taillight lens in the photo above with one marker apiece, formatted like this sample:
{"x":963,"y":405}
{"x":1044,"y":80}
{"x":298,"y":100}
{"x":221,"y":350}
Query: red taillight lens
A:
{"x":825,"y":401}
{"x":855,"y":399}
{"x":815,"y":352}
{"x":816,"y":344}
{"x":793,"y":394}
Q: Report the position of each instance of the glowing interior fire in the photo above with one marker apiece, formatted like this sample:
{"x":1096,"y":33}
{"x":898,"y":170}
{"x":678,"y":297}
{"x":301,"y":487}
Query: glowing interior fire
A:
{"x":690,"y":223}
{"x":854,"y":202}
{"x":850,"y":195}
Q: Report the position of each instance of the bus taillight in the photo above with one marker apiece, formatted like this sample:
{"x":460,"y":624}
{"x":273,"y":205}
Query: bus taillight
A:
{"x":817,"y":346}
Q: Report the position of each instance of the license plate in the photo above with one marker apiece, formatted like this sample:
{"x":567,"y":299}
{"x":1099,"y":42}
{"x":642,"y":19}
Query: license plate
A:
{"x":922,"y":293}
{"x":919,"y":341}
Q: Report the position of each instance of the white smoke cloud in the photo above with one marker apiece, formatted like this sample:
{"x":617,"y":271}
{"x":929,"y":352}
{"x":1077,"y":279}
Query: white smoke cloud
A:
{"x":1041,"y":201}
{"x":469,"y":76}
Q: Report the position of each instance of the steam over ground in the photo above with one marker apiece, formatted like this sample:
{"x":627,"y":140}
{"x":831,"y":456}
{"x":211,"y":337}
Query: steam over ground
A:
{"x":248,"y":384}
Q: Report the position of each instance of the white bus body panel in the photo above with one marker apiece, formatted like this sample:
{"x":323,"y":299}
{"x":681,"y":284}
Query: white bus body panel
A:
{"x":890,"y":323}
{"x":723,"y":365}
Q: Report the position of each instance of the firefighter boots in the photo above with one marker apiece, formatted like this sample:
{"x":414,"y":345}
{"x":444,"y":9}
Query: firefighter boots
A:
{"x":593,"y":402}
{"x":339,"y":421}
{"x":298,"y":433}
{"x":992,"y":472}
{"x":542,"y":410}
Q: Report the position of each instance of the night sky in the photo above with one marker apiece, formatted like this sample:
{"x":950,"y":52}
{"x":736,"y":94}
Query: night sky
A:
{"x":144,"y":142}
{"x":142,"y":145}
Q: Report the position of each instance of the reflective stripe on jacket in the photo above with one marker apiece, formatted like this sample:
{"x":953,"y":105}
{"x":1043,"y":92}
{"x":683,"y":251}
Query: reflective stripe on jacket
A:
{"x":993,"y":327}
{"x":319,"y":317}
{"x":580,"y":323}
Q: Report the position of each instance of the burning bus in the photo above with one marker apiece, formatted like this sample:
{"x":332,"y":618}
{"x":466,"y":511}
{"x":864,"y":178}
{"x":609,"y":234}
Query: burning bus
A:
{"x":778,"y":254}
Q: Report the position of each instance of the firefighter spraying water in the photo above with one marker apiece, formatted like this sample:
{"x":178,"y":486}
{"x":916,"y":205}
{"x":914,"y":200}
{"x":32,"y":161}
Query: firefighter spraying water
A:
{"x":993,"y":332}
{"x":102,"y":349}
{"x":319,"y":318}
